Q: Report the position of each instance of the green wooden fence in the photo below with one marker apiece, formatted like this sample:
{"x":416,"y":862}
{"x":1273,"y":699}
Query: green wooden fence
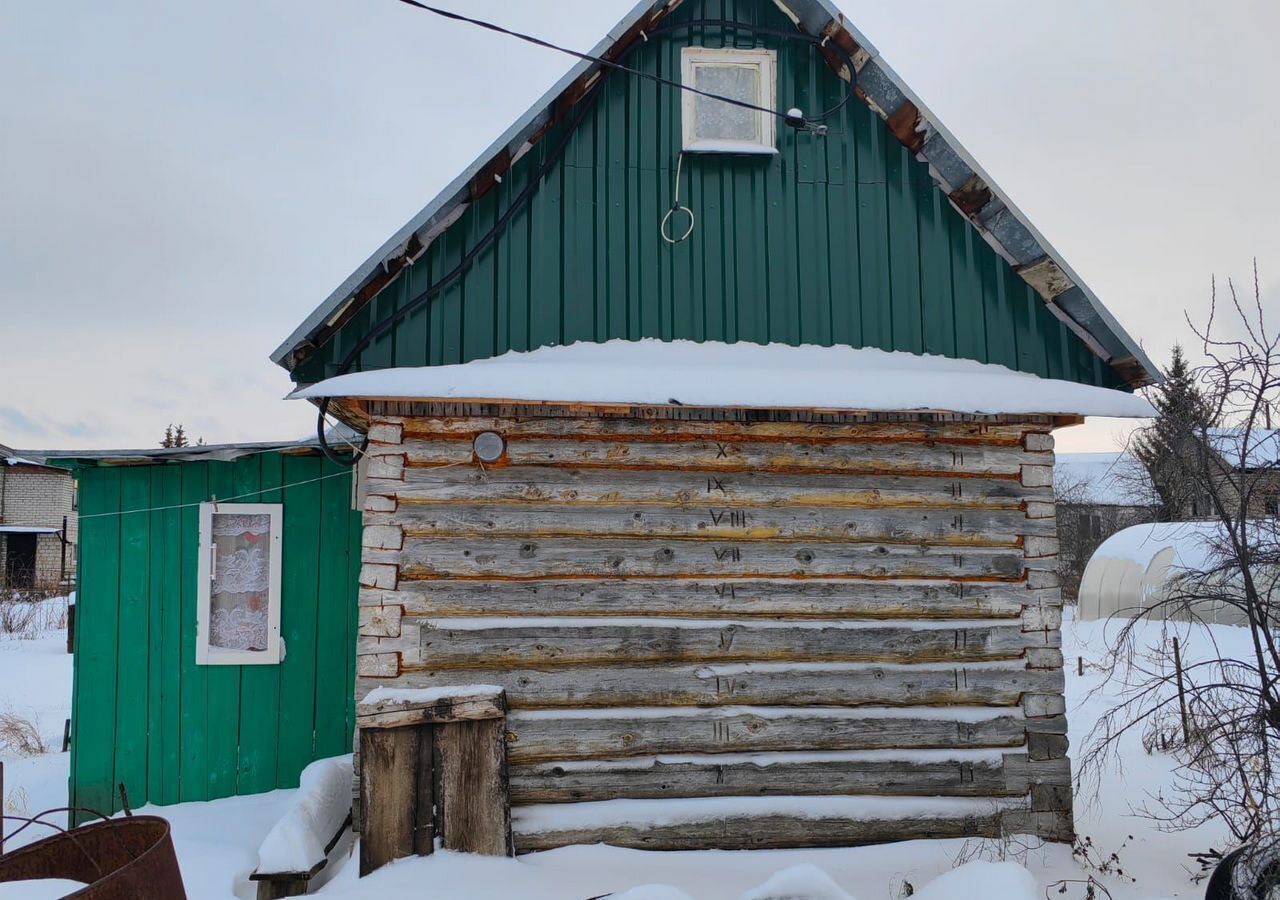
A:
{"x":144,"y":714}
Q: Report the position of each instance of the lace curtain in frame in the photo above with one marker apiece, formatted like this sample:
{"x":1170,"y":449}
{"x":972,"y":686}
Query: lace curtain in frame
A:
{"x":240,"y":597}
{"x":719,"y":121}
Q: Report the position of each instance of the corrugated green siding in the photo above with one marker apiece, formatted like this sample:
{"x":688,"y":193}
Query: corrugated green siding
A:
{"x":143,"y":712}
{"x":842,"y":240}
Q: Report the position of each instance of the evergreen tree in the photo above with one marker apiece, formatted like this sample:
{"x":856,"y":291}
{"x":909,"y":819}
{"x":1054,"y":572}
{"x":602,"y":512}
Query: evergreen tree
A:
{"x":180,"y":437}
{"x":167,"y":441}
{"x":1172,"y":447}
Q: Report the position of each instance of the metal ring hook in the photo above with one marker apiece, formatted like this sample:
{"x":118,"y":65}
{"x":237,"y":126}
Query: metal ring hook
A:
{"x":677,"y":206}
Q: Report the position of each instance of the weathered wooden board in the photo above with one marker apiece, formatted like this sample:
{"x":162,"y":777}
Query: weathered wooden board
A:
{"x":1000,"y":528}
{"x":554,"y":735}
{"x":530,"y":484}
{"x":560,"y":557}
{"x":763,"y":832}
{"x":389,"y":796}
{"x":727,"y":455}
{"x":655,"y":779}
{"x":474,"y":808}
{"x":658,"y":429}
{"x":692,"y":597}
{"x":545,"y":642}
{"x":784,"y":684}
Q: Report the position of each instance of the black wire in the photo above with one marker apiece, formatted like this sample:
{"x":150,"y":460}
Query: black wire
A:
{"x":584,"y":106}
{"x":612,"y":64}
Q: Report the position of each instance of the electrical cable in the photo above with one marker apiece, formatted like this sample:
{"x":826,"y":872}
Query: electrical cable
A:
{"x":617,"y":66}
{"x":581,"y":109}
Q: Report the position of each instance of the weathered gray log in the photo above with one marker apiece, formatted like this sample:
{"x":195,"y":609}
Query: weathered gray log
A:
{"x":1001,"y":528}
{"x":530,"y":484}
{"x":782,"y":684}
{"x":655,"y":779}
{"x":391,"y":796}
{"x":828,"y":598}
{"x":441,"y":427}
{"x":550,"y":558}
{"x":543,"y":642}
{"x":736,"y":455}
{"x":764,"y":832}
{"x":545,"y":736}
{"x":475,"y":811}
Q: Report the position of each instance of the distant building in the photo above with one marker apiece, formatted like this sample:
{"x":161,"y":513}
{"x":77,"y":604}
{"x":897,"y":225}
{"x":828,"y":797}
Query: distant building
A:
{"x":37,"y":522}
{"x":1250,"y":465}
{"x":1098,"y":495}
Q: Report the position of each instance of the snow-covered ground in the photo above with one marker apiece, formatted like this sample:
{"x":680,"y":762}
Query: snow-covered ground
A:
{"x":218,"y":842}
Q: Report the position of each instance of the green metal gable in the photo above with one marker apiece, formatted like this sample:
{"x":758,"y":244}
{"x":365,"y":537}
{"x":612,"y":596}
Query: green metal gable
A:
{"x":838,"y":240}
{"x":143,"y":713}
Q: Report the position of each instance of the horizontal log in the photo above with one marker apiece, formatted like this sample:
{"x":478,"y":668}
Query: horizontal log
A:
{"x":554,"y":735}
{"x":794,"y":598}
{"x":560,"y":557}
{"x":736,"y":455}
{"x":765,"y":831}
{"x":546,"y":642}
{"x":436,"y":428}
{"x":594,"y":487}
{"x":713,"y":776}
{"x":781,"y":684}
{"x":999,"y":528}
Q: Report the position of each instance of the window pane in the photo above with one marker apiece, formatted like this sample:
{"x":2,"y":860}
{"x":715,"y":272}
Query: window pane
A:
{"x":241,"y":591}
{"x":720,"y":121}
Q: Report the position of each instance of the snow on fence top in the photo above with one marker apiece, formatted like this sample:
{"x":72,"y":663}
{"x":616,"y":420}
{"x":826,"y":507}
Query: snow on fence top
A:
{"x":776,"y":376}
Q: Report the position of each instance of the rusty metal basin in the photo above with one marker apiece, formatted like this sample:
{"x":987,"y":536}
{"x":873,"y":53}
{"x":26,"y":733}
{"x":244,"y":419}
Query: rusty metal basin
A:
{"x":120,"y":859}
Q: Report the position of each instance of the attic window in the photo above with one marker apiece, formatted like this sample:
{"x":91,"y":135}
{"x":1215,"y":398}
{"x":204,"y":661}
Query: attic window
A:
{"x":713,"y":126}
{"x":238,"y":616}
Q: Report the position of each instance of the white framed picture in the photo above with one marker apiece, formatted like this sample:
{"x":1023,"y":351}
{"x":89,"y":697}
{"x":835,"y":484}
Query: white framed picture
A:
{"x":238,"y":594}
{"x":713,"y":126}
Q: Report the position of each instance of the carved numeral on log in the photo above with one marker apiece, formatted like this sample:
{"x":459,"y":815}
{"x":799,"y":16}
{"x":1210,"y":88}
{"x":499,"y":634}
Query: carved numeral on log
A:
{"x":732,"y":554}
{"x":957,"y":458}
{"x":715,"y":484}
{"x":722,"y":452}
{"x":958,"y":523}
{"x":734,"y":518}
{"x":957,"y":489}
{"x":726,"y":590}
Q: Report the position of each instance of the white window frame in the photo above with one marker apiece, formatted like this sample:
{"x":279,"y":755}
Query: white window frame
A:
{"x":691,"y":58}
{"x":219,"y":656}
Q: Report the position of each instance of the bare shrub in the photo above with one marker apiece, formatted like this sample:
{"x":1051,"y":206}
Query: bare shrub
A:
{"x":1219,"y":715}
{"x":18,"y":616}
{"x":21,"y":736}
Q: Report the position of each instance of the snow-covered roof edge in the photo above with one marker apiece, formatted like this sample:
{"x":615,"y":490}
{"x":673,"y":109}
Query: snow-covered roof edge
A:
{"x":972,"y":191}
{"x":742,"y":375}
{"x":337,"y":436}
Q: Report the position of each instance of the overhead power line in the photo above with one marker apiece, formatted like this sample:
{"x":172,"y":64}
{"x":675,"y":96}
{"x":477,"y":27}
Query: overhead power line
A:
{"x":608,"y":63}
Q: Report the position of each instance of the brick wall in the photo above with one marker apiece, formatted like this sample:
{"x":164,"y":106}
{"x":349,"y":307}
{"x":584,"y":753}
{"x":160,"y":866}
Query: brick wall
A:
{"x":35,"y":496}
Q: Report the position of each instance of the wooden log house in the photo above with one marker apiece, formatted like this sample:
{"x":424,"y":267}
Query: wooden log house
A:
{"x":758,"y":570}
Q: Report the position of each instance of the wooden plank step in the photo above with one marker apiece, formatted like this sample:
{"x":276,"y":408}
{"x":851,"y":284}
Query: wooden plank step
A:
{"x":924,"y":773}
{"x":990,"y":528}
{"x":535,"y":643}
{"x":766,"y":684}
{"x":560,"y":557}
{"x":709,"y":598}
{"x":531,"y":484}
{"x":742,"y":823}
{"x":559,"y":735}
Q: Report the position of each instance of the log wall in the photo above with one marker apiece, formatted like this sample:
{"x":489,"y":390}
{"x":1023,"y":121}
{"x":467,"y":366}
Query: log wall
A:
{"x":782,"y":632}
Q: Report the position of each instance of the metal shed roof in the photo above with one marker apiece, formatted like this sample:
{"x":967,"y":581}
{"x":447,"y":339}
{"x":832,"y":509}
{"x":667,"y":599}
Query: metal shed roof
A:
{"x":971,"y":189}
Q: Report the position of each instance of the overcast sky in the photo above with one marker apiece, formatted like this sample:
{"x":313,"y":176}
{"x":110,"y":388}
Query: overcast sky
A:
{"x":181,"y":183}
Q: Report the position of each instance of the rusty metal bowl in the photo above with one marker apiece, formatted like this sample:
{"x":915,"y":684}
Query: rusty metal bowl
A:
{"x":119,"y":859}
